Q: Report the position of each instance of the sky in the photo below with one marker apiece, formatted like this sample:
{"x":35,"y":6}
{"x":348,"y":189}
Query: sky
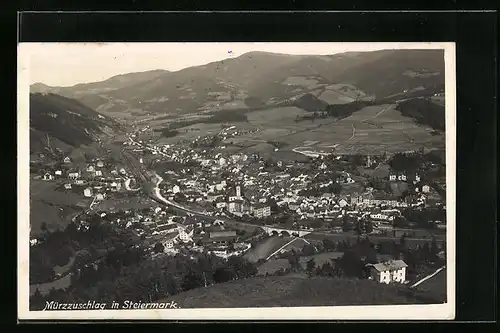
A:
{"x":67,"y":64}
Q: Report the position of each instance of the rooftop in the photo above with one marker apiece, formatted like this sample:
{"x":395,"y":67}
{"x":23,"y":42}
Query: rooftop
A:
{"x":389,"y":265}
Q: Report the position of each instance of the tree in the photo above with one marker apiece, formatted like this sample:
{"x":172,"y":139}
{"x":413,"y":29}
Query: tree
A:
{"x":402,"y":241}
{"x":159,"y":248}
{"x":223,"y":274}
{"x":351,"y":264}
{"x":329,"y":245}
{"x":192,"y":280}
{"x":311,"y":265}
{"x":293,"y":260}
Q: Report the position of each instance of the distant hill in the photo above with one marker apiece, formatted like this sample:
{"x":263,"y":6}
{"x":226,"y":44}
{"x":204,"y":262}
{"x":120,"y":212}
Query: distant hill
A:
{"x":82,"y":90}
{"x":260,"y":78}
{"x":57,"y":121}
{"x":296,"y":291}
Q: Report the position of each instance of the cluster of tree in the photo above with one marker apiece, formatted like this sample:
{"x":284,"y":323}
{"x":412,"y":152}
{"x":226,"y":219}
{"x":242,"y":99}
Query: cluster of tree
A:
{"x":424,"y":112}
{"x":345,"y":110}
{"x":425,"y":217}
{"x":59,"y":246}
{"x":167,"y":132}
{"x":147,"y":280}
{"x":334,"y":188}
{"x":211,"y":142}
{"x":353,"y":262}
{"x":403,"y":162}
{"x":227,"y":116}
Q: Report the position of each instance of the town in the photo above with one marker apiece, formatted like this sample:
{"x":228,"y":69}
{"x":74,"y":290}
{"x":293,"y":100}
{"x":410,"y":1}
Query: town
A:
{"x":206,"y":201}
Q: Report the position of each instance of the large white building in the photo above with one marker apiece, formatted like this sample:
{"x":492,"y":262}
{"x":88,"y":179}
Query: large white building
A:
{"x":389,"y":272}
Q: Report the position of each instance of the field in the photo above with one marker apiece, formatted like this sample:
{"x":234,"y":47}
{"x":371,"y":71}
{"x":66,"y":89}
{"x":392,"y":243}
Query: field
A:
{"x":115,"y":205}
{"x":51,"y":206}
{"x":272,"y":266}
{"x":266,"y":247}
{"x":45,"y":288}
{"x":321,"y":258}
{"x":286,"y":291}
{"x":333,"y":97}
{"x":373,"y":129}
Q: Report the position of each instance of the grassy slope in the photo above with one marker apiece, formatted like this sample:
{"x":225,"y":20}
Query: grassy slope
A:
{"x":294,"y":291}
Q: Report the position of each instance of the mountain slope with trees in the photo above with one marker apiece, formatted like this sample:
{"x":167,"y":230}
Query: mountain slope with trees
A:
{"x":63,"y":120}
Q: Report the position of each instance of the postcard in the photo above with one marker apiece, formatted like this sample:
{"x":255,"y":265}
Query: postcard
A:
{"x":232,"y":181}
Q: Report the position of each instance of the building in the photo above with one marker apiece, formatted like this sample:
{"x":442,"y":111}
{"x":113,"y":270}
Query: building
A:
{"x":426,"y":188}
{"x":392,"y":177}
{"x":100,"y":164}
{"x":98,"y":173}
{"x":186,"y":234}
{"x":235,"y":206}
{"x":67,"y":186}
{"x":170,"y":240}
{"x":342,"y":203}
{"x":393,"y":271}
{"x":293,"y":205}
{"x":166,"y":228}
{"x":220,"y":237}
{"x":100,"y":196}
{"x":58,"y":173}
{"x":47,"y":176}
{"x":90,"y":168}
{"x":74,"y":175}
{"x":67,"y":160}
{"x":176,"y":189}
{"x":87,"y":192}
{"x":261,"y":210}
{"x":221,"y":204}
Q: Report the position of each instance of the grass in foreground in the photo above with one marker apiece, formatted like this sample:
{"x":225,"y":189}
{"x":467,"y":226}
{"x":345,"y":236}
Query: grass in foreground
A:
{"x":295,"y":291}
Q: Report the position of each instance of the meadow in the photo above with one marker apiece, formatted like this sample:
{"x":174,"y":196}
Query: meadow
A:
{"x":287,"y":291}
{"x":52,"y":207}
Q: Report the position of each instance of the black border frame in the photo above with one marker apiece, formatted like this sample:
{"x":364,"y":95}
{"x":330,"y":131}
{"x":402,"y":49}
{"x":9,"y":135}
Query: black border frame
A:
{"x":476,"y":35}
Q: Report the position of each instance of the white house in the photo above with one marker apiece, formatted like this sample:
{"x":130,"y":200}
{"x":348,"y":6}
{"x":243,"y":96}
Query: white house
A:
{"x":47,"y":176}
{"x":100,"y":196}
{"x":342,"y":203}
{"x":426,"y":188}
{"x":222,"y":161}
{"x":170,"y":241}
{"x":221,"y":204}
{"x":74,"y":175}
{"x":87,"y":192}
{"x":67,"y":160}
{"x":176,"y":189}
{"x":90,"y":168}
{"x":261,"y":210}
{"x":392,"y":177}
{"x":100,"y":164}
{"x":393,"y":271}
{"x":186,"y":234}
{"x":58,"y":173}
{"x":98,"y":173}
{"x":67,"y":186}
